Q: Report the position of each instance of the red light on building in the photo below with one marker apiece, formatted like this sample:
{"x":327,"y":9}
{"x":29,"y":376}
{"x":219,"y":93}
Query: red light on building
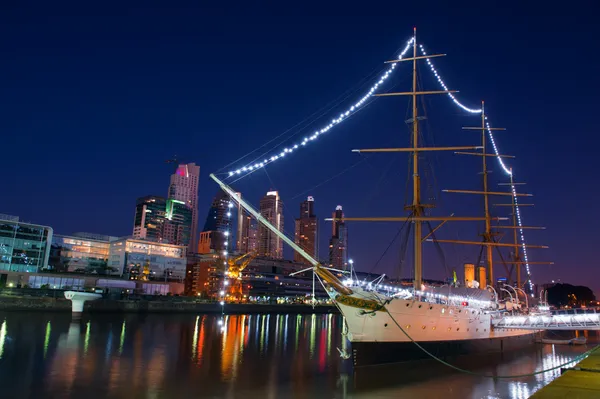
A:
{"x":465,"y":303}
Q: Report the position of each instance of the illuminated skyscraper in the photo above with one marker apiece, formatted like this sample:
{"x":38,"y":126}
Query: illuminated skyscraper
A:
{"x":149,"y":218}
{"x":184,"y":187}
{"x":271,"y":208}
{"x":306,"y":230}
{"x":338,"y":244}
{"x":162,"y":220}
{"x":218,"y":222}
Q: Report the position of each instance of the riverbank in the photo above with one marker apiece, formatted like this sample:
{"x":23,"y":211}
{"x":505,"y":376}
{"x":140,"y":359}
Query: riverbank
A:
{"x":15,"y":303}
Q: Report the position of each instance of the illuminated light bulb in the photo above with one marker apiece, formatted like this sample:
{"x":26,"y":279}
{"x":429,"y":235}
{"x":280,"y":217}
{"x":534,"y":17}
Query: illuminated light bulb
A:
{"x":231,"y":174}
{"x":226,"y":234}
{"x":222,"y":303}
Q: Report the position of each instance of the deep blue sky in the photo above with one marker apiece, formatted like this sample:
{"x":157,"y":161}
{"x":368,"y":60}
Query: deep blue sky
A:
{"x":94,"y":100}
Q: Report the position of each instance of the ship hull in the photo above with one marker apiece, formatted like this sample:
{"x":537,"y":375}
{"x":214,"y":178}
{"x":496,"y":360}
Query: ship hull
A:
{"x":375,"y":353}
{"x":382,"y":330}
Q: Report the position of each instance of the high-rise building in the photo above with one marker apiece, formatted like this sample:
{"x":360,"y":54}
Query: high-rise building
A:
{"x":218,"y":223}
{"x":338,"y":244}
{"x":149,"y":218}
{"x":306,"y":230}
{"x":178,"y":226}
{"x":162,"y":220}
{"x":248,"y":235}
{"x":271,"y":208}
{"x":184,"y":187}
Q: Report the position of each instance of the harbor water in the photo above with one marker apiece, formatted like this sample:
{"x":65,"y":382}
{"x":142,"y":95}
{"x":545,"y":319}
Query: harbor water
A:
{"x":247,"y":356}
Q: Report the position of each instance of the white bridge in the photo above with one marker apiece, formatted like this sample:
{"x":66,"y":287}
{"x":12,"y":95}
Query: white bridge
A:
{"x":582,"y":320}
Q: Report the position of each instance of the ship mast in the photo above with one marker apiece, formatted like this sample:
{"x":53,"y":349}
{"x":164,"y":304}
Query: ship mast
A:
{"x":516,"y":259}
{"x":488,"y":235}
{"x":417,"y":209}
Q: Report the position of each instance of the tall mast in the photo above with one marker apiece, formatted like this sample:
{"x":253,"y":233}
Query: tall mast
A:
{"x":517,"y":257}
{"x":416,"y":205}
{"x":488,"y":225}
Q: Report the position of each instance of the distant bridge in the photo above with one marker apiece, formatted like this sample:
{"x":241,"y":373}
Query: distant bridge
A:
{"x":578,"y":320}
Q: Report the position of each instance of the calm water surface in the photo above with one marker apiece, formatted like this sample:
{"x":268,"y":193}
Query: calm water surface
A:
{"x":248,"y":356}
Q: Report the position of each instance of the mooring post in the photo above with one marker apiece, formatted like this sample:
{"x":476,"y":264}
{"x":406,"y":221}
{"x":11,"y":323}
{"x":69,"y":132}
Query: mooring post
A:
{"x":78,"y":299}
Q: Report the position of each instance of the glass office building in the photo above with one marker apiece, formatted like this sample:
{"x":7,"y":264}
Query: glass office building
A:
{"x":81,"y":252}
{"x":24,"y":247}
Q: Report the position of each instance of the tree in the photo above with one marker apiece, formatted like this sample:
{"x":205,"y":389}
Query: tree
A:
{"x":572,"y":295}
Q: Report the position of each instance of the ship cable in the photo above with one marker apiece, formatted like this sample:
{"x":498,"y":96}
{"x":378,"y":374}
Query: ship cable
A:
{"x":576,"y":359}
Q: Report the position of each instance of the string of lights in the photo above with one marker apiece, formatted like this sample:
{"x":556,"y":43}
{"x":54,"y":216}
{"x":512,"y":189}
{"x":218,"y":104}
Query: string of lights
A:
{"x":343,"y":116}
{"x":506,"y":170}
{"x":249,"y":168}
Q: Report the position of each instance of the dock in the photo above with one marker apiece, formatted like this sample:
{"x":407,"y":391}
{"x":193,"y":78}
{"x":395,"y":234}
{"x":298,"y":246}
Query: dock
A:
{"x":582,"y":381}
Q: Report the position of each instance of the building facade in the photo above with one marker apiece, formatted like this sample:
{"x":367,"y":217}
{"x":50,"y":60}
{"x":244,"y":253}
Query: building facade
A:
{"x":141,"y":259}
{"x":24,"y":247}
{"x":271,"y":208}
{"x":184,"y":187}
{"x":149,"y":218}
{"x":177,"y":229}
{"x":338,"y":244}
{"x":248,"y":242}
{"x":217,"y":227}
{"x":163,"y":220}
{"x":80,"y":252}
{"x":305,"y":232}
{"x":201,"y":277}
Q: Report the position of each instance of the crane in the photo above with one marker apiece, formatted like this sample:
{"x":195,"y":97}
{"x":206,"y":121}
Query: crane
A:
{"x":236,"y":266}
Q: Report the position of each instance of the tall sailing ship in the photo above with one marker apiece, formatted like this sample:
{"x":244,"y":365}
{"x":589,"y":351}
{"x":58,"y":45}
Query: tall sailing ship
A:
{"x":397,"y":324}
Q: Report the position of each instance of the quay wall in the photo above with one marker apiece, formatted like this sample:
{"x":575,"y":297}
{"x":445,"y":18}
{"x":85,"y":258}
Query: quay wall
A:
{"x":14,"y":303}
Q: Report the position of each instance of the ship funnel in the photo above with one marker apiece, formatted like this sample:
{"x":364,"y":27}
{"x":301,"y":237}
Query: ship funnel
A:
{"x":469,"y":275}
{"x":481,"y":277}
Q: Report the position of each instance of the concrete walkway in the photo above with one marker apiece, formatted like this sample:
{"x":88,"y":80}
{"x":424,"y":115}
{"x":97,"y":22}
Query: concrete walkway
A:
{"x":580,"y":382}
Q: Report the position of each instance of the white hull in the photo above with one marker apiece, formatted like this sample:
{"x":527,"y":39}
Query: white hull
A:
{"x":422,"y":321}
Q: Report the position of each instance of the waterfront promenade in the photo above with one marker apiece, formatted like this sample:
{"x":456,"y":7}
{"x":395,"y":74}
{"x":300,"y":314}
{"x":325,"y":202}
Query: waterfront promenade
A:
{"x":57,"y":303}
{"x":582,"y":381}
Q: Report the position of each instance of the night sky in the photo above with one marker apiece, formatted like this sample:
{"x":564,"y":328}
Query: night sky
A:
{"x":93,"y":101}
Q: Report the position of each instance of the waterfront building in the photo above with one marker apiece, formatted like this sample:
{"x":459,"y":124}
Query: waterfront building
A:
{"x":201,"y":277}
{"x":141,"y":259}
{"x":115,"y":285}
{"x":338,"y":244}
{"x":269,"y":244}
{"x":305,"y":233}
{"x":24,"y":247}
{"x":270,"y":278}
{"x":163,"y":220}
{"x":184,"y":187}
{"x":80,"y":252}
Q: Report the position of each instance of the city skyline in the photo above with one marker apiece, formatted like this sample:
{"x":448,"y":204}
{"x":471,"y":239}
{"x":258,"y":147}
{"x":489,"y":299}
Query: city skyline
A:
{"x":138,"y":91}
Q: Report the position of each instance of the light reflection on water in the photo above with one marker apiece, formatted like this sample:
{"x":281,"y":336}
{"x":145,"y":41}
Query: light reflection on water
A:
{"x":279,"y":355}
